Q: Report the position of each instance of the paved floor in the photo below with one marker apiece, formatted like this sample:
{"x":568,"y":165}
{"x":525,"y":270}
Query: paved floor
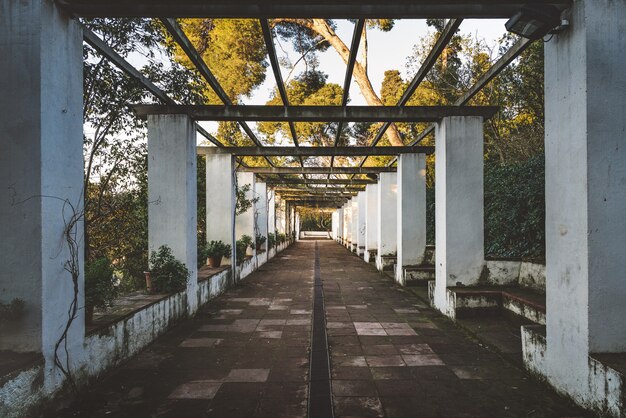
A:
{"x":247,"y":354}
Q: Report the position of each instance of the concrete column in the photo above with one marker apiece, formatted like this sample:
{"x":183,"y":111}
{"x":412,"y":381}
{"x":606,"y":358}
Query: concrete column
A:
{"x":348,"y":226}
{"x":355,"y":224}
{"x":41,"y":175}
{"x":271,"y":212}
{"x":411,"y":212}
{"x":340,"y":219}
{"x":585,"y":85}
{"x":244,"y":223}
{"x":172,"y":193}
{"x":371,"y":222}
{"x":459,"y":232}
{"x":386,"y":221}
{"x":220,"y":200}
{"x":297,"y":226}
{"x":333,"y":228}
{"x":362,"y":202}
{"x":280,"y":215}
{"x":261,"y":210}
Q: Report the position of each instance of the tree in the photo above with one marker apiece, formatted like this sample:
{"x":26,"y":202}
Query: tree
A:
{"x":115,"y":140}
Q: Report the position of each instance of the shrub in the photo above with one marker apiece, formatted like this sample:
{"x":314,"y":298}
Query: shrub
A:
{"x":240,"y":248}
{"x":218,"y":249}
{"x":100,"y":289}
{"x":168,"y":274}
{"x":281,"y":238}
{"x":271,"y":240}
{"x":515,"y":209}
{"x":247,"y":240}
{"x":260,"y":240}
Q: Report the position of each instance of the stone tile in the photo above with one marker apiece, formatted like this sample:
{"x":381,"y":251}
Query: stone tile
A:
{"x":196,"y":390}
{"x":272,"y":322}
{"x":298,"y":322}
{"x":201,"y":342}
{"x":332,"y":325}
{"x":371,"y":331}
{"x":300,"y":312}
{"x":367,"y":325}
{"x":352,"y":361}
{"x":406,"y":311}
{"x":391,"y":373}
{"x":353,"y":406}
{"x":393,"y":331}
{"x":269,"y":334}
{"x":388,"y":349}
{"x":422,"y":360}
{"x":395,"y":325}
{"x":230,"y":311}
{"x":385,"y":361}
{"x":353,"y":388}
{"x":414,"y":349}
{"x":351,"y":373}
{"x":248,"y":375}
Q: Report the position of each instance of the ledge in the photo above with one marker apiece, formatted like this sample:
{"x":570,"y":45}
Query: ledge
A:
{"x":13,"y":363}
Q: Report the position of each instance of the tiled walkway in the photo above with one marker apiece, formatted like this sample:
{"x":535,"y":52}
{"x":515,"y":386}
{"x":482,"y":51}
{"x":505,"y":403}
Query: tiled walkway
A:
{"x":247,"y":355}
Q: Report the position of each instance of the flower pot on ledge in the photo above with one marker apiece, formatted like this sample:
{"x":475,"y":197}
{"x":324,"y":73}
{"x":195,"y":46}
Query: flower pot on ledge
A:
{"x":215,"y":262}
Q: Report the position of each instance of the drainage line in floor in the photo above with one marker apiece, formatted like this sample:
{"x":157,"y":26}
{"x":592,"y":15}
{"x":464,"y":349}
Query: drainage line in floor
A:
{"x":320,"y":399}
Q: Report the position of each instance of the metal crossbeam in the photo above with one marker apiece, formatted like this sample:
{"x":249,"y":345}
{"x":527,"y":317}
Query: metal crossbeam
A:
{"x":299,"y":181}
{"x":315,"y":151}
{"x":502,"y":62}
{"x":319,"y":170}
{"x":338,"y":9}
{"x":318,"y":113}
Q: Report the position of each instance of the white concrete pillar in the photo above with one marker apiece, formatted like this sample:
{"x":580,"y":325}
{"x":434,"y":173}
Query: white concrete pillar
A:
{"x":348,"y":226}
{"x":261,"y":211}
{"x":172,"y":193}
{"x":411,"y":212}
{"x":371,"y":222}
{"x":41,"y":175}
{"x":362,"y":202}
{"x":355,"y":224}
{"x":340,"y":219}
{"x":297,"y":226}
{"x":244,"y":223}
{"x":333,"y":223}
{"x":459,"y":232}
{"x":220,"y":200}
{"x":585,"y":96}
{"x":281,"y":215}
{"x":271,"y":212}
{"x":386,"y":220}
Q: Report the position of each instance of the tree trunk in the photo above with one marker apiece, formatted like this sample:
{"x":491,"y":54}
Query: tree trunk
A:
{"x":360,"y":69}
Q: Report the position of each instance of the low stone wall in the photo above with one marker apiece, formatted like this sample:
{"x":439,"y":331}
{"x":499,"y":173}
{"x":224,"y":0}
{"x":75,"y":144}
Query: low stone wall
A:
{"x":108,"y":346}
{"x":516,"y":273}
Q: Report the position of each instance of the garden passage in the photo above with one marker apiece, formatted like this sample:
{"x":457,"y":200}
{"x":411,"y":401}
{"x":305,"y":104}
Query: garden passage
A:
{"x":395,"y":306}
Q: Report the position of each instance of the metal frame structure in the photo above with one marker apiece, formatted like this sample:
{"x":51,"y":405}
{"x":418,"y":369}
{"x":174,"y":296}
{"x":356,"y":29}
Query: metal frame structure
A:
{"x":456,"y":10}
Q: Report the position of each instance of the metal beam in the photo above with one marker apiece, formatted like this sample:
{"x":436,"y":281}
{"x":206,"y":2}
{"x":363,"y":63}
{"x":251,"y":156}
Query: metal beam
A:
{"x":319,"y":170}
{"x":334,"y":188}
{"x":315,"y":151}
{"x":298,"y":181}
{"x":318,"y":113}
{"x":502,"y":62}
{"x":343,"y":9}
{"x":443,"y":40}
{"x":181,"y":39}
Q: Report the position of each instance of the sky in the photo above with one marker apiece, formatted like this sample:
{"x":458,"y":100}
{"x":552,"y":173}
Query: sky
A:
{"x":386,"y":50}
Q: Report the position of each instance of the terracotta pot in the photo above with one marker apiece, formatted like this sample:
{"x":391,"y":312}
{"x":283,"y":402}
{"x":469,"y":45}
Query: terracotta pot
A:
{"x":258,"y":247}
{"x":148,"y":281}
{"x":215,"y":261}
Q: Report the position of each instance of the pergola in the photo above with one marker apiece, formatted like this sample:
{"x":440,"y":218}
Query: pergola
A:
{"x":378,"y":211}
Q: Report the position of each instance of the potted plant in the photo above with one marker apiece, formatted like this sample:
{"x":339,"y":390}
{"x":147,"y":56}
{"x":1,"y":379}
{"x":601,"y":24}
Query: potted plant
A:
{"x":241,"y":248}
{"x":260,"y":240}
{"x":100,"y":289}
{"x":271,"y":240}
{"x":215,"y":251}
{"x":247,"y":241}
{"x":168,"y":274}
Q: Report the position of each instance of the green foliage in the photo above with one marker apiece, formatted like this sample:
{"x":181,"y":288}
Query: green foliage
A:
{"x":515,"y":209}
{"x":100,"y":289}
{"x":243,"y":203}
{"x":241,"y":248}
{"x":218,"y":249}
{"x":430,"y":215}
{"x":168,"y":274}
{"x":281,"y":238}
{"x":247,"y":240}
{"x":12,"y":311}
{"x":260,"y":240}
{"x":314,"y":220}
{"x":271,"y":240}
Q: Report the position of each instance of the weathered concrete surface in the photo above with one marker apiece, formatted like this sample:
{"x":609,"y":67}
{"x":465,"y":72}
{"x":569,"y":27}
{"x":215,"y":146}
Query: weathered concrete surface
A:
{"x":220,"y":199}
{"x":411,"y":217}
{"x":386,"y":217}
{"x":371,"y":222}
{"x":585,"y":196}
{"x":41,"y":171}
{"x":246,"y":355}
{"x":459,"y":231}
{"x":173,"y":194}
